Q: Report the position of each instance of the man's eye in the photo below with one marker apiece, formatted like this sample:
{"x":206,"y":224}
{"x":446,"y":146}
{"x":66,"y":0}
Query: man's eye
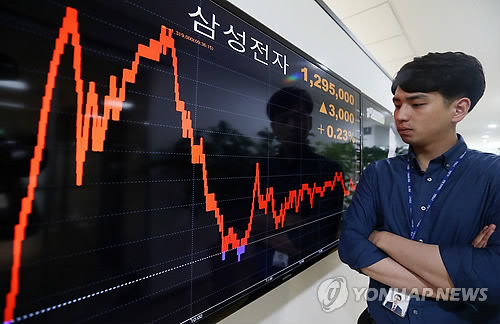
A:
{"x":417,"y":104}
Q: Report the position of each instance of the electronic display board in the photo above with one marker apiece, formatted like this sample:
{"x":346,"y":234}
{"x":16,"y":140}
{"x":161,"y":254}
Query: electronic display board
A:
{"x":161,"y":161}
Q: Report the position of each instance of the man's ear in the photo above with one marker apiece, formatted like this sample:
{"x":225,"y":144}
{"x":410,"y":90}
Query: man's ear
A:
{"x":461,"y":107}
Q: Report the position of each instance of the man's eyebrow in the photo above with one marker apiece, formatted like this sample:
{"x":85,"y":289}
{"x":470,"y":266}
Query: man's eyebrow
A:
{"x":417,"y":96}
{"x":412,"y":97}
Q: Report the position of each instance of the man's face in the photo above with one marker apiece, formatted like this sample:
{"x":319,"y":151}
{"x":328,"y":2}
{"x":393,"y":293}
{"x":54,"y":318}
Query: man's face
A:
{"x":397,"y":299}
{"x":422,"y":117}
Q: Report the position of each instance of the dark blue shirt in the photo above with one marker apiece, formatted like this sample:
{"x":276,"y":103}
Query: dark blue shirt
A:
{"x":469,"y":201}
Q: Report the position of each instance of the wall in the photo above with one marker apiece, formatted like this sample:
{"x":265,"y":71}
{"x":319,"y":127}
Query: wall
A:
{"x":296,"y":300}
{"x":306,"y":25}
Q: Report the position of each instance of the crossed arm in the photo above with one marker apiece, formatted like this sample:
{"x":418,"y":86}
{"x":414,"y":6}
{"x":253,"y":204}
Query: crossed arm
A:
{"x":402,"y":263}
{"x":414,"y":264}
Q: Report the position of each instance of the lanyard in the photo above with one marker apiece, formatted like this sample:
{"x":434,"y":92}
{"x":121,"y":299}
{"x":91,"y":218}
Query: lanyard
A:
{"x":414,"y":228}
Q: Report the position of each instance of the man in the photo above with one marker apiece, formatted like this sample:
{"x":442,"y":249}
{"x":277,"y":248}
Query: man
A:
{"x":393,"y":306}
{"x":292,"y":162}
{"x":404,"y":228}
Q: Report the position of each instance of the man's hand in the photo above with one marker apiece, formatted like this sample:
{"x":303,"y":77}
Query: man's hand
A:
{"x":482,"y":238}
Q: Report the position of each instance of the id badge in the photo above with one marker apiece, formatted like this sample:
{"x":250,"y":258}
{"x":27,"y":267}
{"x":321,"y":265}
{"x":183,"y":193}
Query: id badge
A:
{"x":397,"y":302}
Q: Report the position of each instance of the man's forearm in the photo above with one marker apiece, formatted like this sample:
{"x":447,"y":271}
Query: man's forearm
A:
{"x":422,"y":259}
{"x":393,"y":274}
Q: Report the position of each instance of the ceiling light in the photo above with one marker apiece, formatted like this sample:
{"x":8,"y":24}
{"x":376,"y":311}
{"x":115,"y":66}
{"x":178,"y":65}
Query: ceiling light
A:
{"x":11,"y":104}
{"x":492,"y":126}
{"x":14,"y":85}
{"x":485,"y":136}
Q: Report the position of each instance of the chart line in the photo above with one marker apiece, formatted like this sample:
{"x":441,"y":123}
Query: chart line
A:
{"x":100,"y":124}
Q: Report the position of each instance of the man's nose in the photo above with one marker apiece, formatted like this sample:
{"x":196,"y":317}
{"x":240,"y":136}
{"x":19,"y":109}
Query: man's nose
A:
{"x":403,"y":113}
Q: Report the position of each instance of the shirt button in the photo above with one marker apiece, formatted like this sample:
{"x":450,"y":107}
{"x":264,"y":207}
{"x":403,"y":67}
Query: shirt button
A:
{"x":447,"y":165}
{"x":421,"y":240}
{"x":422,"y":208}
{"x":429,"y":179}
{"x":415,"y":312}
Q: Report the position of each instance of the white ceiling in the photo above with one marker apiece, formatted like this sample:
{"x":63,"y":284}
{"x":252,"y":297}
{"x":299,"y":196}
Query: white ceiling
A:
{"x":395,"y":31}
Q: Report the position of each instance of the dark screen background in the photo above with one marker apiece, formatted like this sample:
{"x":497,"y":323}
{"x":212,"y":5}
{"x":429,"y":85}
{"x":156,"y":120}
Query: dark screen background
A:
{"x":134,"y":242}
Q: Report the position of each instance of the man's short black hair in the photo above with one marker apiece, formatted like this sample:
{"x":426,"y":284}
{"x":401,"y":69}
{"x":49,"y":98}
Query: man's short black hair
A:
{"x":452,"y":74}
{"x":289,"y":99}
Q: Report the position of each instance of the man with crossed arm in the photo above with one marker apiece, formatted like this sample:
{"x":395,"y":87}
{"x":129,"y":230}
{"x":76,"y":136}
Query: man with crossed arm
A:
{"x":427,"y":219}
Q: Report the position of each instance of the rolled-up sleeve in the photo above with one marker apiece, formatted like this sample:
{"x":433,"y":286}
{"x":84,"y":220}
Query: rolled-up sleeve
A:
{"x":360,"y":220}
{"x":469,"y":267}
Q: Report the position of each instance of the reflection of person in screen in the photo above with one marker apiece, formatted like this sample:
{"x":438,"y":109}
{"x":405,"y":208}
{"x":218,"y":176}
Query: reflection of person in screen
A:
{"x":290,"y":110}
{"x":293,"y":162}
{"x":394,"y":307}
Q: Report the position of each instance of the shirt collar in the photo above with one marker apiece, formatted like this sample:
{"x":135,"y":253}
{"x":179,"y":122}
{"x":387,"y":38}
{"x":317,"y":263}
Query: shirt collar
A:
{"x":448,"y":158}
